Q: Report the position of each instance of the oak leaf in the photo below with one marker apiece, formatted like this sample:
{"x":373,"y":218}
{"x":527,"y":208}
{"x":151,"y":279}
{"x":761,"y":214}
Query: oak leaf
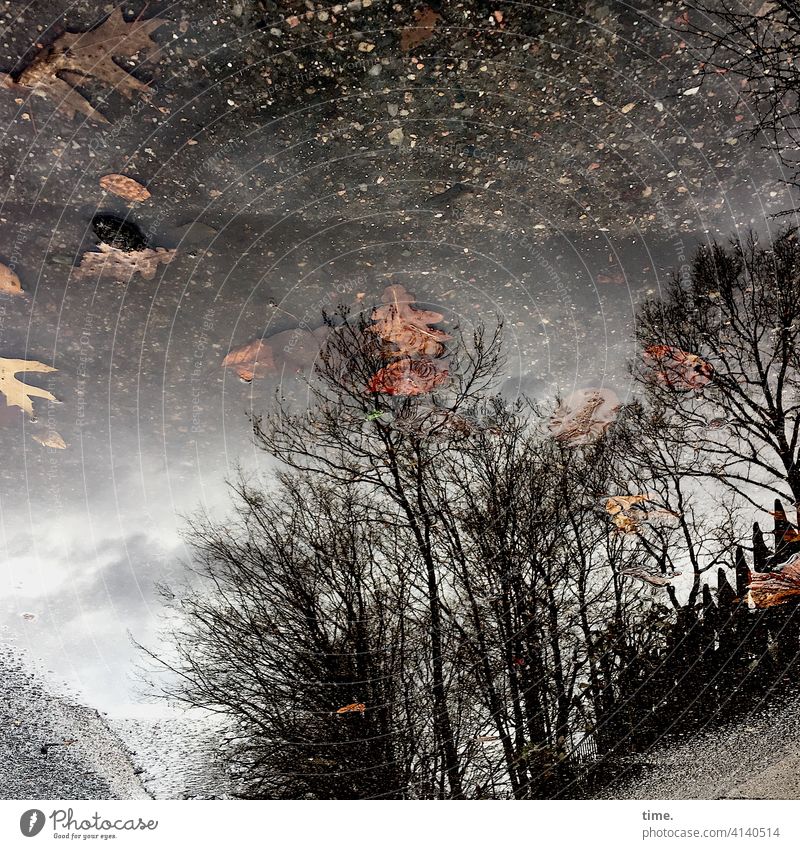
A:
{"x":110,"y":261}
{"x":17,"y":393}
{"x":73,"y":58}
{"x":409,"y":377}
{"x":407,"y":328}
{"x":124,"y":187}
{"x":677,"y":369}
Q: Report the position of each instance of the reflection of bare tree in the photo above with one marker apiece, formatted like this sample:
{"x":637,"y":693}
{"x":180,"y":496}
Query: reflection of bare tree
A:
{"x":757,"y":42}
{"x":449,"y":583}
{"x":738,"y":314}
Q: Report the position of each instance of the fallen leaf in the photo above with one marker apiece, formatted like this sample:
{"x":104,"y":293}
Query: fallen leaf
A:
{"x":653,"y":578}
{"x":75,"y":57}
{"x":407,"y":328}
{"x":109,"y":261}
{"x":50,"y":440}
{"x":290,"y":351}
{"x":19,"y":394}
{"x":356,"y":707}
{"x":584,"y":416}
{"x":251,"y":360}
{"x":677,"y":369}
{"x":409,"y":377}
{"x":421,"y":31}
{"x":769,"y":589}
{"x":124,"y":187}
{"x":627,"y":108}
{"x":9,"y":282}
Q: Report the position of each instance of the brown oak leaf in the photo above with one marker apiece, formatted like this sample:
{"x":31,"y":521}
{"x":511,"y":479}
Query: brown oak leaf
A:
{"x":73,"y":58}
{"x":409,"y":377}
{"x":407,"y":328}
{"x":421,"y":31}
{"x":677,"y":369}
{"x":108,"y":261}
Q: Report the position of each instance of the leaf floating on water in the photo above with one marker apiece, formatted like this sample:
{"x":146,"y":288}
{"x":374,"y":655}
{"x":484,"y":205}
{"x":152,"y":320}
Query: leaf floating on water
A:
{"x":75,"y":57}
{"x":17,"y":393}
{"x":356,"y":707}
{"x":50,"y":440}
{"x":420,"y":32}
{"x":290,"y":351}
{"x":407,"y":328}
{"x":9,"y":282}
{"x":124,"y":187}
{"x":677,"y":369}
{"x":627,"y":513}
{"x":251,"y":360}
{"x":770,"y":589}
{"x":108,"y":261}
{"x":584,"y":416}
{"x":409,"y":377}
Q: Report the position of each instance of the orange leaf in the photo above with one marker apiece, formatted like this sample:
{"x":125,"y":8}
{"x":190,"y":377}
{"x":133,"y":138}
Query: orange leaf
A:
{"x":677,"y":369}
{"x":124,"y":187}
{"x":251,"y":360}
{"x":356,"y":707}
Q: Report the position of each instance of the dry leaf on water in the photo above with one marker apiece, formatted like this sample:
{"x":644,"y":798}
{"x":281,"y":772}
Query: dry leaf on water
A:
{"x":289,"y":351}
{"x":406,"y":327}
{"x":769,"y":589}
{"x":124,"y":187}
{"x":627,"y":513}
{"x":356,"y":707}
{"x":421,"y":31}
{"x":73,"y":58}
{"x":19,"y":394}
{"x":653,"y":578}
{"x":9,"y":282}
{"x":50,"y":440}
{"x":108,"y":261}
{"x":584,"y":416}
{"x":409,"y":377}
{"x":677,"y":369}
{"x":251,"y":360}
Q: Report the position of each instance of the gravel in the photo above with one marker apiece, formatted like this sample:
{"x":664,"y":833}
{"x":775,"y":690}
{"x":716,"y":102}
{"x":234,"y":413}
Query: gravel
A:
{"x":757,"y":757}
{"x":96,"y":765}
